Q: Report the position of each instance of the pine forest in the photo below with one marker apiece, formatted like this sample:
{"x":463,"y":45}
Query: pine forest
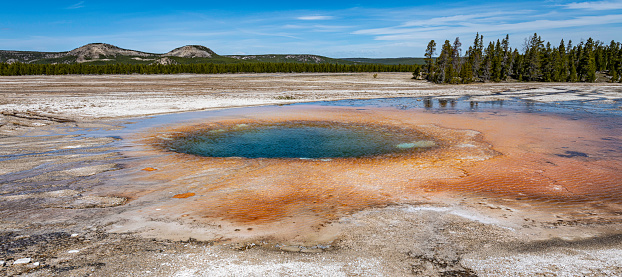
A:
{"x":588,"y":61}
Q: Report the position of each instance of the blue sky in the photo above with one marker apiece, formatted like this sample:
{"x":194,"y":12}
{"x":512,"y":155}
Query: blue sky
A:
{"x":329,"y":28}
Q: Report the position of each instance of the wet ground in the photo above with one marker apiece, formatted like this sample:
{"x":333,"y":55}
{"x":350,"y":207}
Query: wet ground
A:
{"x":522,"y":182}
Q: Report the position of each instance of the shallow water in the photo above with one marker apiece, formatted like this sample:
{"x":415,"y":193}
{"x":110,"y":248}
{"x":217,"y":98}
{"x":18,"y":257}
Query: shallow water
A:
{"x":563,"y":158}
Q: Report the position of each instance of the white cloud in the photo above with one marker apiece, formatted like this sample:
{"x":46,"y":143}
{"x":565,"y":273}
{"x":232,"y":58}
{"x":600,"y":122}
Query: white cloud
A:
{"x":595,"y":6}
{"x":463,"y":18}
{"x":316,"y":17}
{"x":446,"y":27}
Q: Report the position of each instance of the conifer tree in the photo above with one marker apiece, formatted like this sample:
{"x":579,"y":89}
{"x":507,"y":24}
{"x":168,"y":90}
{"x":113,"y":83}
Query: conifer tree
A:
{"x":533,"y":49}
{"x":466,"y":74}
{"x":547,"y":63}
{"x":429,"y":60}
{"x":456,"y":57}
{"x":506,"y":61}
{"x":486,"y":64}
{"x":445,"y":63}
{"x":587,"y":63}
{"x":618,"y":63}
{"x":557,"y":74}
{"x":562,"y":63}
{"x":475,"y":54}
{"x":600,"y":56}
{"x":496,"y":63}
{"x":517,"y":65}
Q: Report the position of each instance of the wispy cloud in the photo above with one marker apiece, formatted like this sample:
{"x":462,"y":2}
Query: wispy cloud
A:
{"x":530,"y":26}
{"x":496,"y":23}
{"x":595,"y":6}
{"x":317,"y":27}
{"x":76,"y":6}
{"x":315,"y":17}
{"x":465,"y":18}
{"x":269,"y":34}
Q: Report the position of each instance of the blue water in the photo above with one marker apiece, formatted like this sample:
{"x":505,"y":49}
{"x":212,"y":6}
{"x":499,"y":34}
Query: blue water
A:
{"x":298,"y":140}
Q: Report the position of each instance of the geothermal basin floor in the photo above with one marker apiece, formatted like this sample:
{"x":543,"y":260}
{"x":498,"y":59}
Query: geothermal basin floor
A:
{"x":524,"y":181}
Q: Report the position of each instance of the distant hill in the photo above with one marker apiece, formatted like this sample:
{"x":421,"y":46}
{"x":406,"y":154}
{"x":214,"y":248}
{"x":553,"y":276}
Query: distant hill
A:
{"x":102,"y":53}
{"x":305,"y":58}
{"x":191,"y":51}
{"x":390,"y":61}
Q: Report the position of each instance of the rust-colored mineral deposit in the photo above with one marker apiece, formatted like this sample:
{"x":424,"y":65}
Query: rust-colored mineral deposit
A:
{"x":527,"y":159}
{"x":184,"y":195}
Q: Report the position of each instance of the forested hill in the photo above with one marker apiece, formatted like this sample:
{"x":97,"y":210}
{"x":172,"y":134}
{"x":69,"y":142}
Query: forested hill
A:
{"x":587,"y":61}
{"x":105,"y":54}
{"x":394,"y":61}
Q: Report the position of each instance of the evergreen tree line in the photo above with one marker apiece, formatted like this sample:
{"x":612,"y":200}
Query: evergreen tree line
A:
{"x":207,"y":68}
{"x":537,"y":62}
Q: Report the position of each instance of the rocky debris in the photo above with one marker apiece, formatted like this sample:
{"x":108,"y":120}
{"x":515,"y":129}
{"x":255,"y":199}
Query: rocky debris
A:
{"x":301,"y":249}
{"x":30,"y":116}
{"x":50,"y":254}
{"x":69,"y":199}
{"x":22,"y":261}
{"x":291,"y":248}
{"x":429,"y":265}
{"x":12,"y":243}
{"x":86,"y":202}
{"x":47,"y":194}
{"x":191,"y":51}
{"x":89,"y":170}
{"x":165,"y":61}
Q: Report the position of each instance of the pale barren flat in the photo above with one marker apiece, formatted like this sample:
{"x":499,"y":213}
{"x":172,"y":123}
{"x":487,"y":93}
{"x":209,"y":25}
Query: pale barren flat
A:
{"x":86,"y":185}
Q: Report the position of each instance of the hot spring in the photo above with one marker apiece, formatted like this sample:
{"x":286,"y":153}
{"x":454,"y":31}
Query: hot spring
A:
{"x":293,"y":169}
{"x":304,"y":140}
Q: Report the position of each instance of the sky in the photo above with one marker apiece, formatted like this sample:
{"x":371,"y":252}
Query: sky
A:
{"x":337,"y":29}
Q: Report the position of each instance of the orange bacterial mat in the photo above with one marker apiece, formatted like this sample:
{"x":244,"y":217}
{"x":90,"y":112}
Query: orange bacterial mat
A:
{"x":547,"y":161}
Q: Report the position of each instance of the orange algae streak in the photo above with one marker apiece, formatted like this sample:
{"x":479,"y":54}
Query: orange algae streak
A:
{"x":184,"y":195}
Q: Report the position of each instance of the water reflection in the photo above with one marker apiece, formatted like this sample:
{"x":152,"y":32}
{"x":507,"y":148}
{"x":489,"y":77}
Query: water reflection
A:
{"x":472,"y":104}
{"x":428,"y":104}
